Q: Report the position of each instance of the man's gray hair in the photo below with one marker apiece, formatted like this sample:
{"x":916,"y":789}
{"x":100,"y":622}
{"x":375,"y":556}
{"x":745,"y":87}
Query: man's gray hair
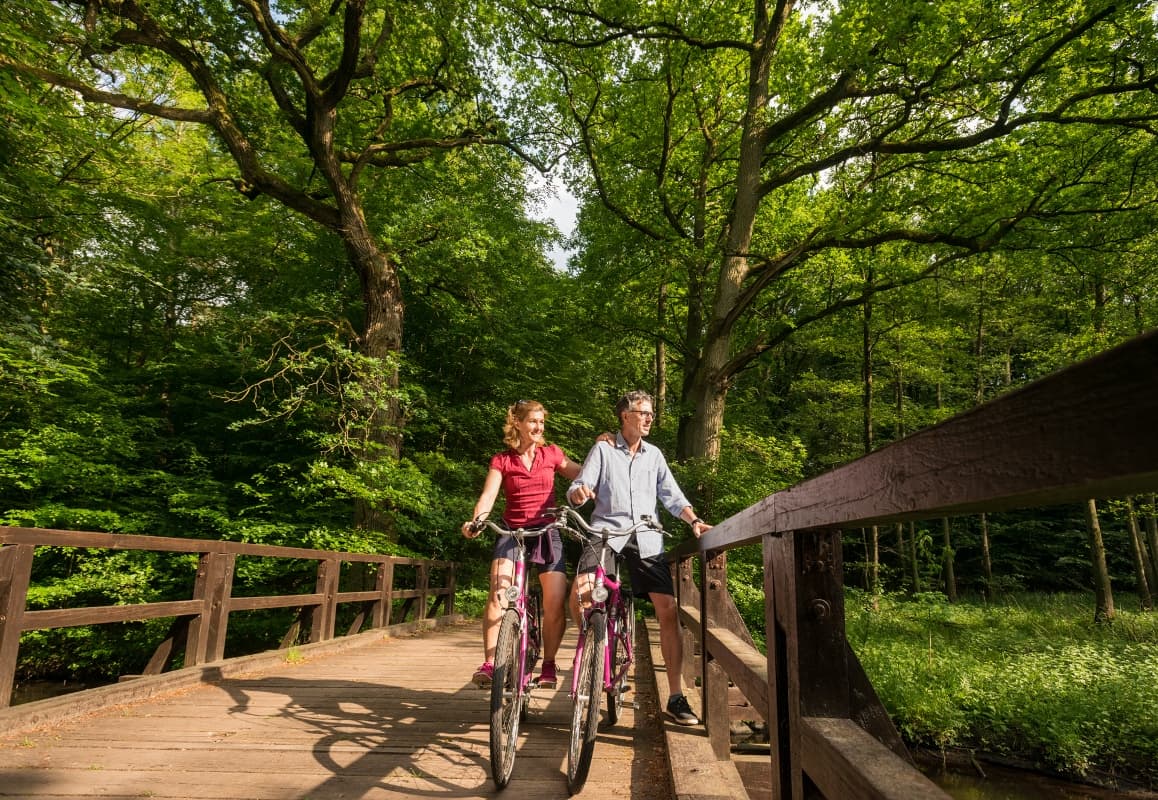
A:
{"x":629,"y":399}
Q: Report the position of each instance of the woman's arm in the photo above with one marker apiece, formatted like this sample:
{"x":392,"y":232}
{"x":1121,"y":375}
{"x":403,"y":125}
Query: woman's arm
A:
{"x":569,"y":469}
{"x":486,"y":501}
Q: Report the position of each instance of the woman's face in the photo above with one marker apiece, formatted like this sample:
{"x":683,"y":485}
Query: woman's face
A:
{"x":531,"y":428}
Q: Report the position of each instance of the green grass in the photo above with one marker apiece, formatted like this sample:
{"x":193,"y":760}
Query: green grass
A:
{"x":1030,"y":676}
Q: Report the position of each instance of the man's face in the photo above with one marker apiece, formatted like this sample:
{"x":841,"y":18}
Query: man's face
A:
{"x":637,"y":420}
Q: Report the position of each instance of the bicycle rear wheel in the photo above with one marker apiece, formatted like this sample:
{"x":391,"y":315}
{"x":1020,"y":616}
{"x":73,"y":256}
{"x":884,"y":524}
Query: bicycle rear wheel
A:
{"x":506,"y":699}
{"x":622,"y":646}
{"x":585,"y":713}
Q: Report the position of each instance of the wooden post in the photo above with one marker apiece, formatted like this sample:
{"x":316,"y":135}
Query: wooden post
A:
{"x":214,"y":584}
{"x":15,"y":574}
{"x":783,"y":713}
{"x":384,"y":585}
{"x":688,"y":594}
{"x":452,"y":587}
{"x":717,"y":718}
{"x":823,"y":673}
{"x":422,"y":584}
{"x":324,"y":617}
{"x":219,"y":605}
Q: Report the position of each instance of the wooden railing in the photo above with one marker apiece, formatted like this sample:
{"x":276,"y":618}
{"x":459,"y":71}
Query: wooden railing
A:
{"x":200,"y":623}
{"x":1088,"y":431}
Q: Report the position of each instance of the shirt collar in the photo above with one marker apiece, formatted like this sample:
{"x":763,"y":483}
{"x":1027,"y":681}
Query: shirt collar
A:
{"x":621,"y":443}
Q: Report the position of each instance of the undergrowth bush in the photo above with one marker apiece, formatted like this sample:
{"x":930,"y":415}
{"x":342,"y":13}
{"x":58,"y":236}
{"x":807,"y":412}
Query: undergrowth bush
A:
{"x":1031,"y":677}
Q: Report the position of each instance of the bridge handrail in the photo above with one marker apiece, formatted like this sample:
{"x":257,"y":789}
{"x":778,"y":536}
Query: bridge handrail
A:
{"x":200,"y":623}
{"x":1086,"y":431}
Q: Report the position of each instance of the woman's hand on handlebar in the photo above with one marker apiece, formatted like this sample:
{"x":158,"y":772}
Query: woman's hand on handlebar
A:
{"x":472,"y":528}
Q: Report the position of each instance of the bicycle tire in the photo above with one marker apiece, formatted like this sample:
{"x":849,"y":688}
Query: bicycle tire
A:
{"x":506,"y":699}
{"x":621,"y":658}
{"x":585,"y":712}
{"x":534,"y":617}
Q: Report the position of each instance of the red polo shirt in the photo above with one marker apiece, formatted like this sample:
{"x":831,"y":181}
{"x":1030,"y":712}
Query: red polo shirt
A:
{"x":529,"y":493}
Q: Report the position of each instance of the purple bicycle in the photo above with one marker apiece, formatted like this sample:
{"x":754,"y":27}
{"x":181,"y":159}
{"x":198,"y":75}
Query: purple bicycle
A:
{"x":605,"y":650}
{"x":517,"y":652}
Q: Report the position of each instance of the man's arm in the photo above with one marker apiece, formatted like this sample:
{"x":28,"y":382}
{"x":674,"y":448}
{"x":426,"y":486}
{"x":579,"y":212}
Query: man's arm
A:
{"x":675,"y":501}
{"x":583,"y":487}
{"x":698,"y":526}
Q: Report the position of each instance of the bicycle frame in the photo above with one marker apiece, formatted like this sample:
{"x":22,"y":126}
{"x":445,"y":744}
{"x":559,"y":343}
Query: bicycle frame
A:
{"x":513,"y":666}
{"x":515,"y":597}
{"x":605,"y":625}
{"x":611,"y":605}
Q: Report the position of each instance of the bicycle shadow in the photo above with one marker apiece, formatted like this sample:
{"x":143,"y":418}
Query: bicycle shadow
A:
{"x":373,"y":739}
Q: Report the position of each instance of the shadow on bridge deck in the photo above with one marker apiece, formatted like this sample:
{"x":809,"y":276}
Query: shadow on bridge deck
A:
{"x":393,"y":717}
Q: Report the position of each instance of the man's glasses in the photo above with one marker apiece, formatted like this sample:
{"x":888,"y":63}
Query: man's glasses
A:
{"x":644,"y":414}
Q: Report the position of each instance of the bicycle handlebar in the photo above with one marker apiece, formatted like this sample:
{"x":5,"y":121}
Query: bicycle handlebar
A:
{"x":522,"y":533}
{"x":565,"y":515}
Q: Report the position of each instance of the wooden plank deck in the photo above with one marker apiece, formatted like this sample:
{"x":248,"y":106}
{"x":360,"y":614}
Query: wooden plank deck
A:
{"x":396,"y":718}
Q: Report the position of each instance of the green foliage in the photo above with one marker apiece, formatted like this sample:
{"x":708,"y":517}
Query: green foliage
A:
{"x":1031,"y":676}
{"x":184,"y":359}
{"x":751,"y":466}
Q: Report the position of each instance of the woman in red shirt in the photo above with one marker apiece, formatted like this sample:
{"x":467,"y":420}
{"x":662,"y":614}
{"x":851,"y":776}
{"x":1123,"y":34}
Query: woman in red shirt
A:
{"x":525,"y":473}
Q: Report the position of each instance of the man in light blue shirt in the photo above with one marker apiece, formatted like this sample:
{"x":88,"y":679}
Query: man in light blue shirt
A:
{"x":627,"y":480}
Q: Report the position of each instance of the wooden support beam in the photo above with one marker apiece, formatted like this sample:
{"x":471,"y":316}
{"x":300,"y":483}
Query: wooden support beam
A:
{"x":842,"y":760}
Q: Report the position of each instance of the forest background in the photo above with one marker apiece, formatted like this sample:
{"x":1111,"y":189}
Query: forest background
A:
{"x":272,"y":272}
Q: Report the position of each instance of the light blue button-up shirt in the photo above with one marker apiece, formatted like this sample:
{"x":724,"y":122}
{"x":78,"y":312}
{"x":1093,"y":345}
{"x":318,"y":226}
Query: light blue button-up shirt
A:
{"x":627,"y":489}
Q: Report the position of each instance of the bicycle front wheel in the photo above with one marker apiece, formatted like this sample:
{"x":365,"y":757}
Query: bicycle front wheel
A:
{"x":585,"y":713}
{"x":534,"y":617}
{"x":622,"y":646}
{"x":506,"y":699}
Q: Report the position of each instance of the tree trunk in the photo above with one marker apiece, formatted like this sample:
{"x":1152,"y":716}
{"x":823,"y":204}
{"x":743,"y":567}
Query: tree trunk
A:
{"x":902,"y":551}
{"x":661,"y":354}
{"x":380,"y":414}
{"x":1103,"y":594}
{"x":874,"y":554}
{"x":986,"y":563}
{"x":979,"y":346}
{"x":709,"y":380}
{"x":866,"y":355}
{"x":1152,"y":533}
{"x":914,"y":561}
{"x":950,"y":574}
{"x":1138,"y":549}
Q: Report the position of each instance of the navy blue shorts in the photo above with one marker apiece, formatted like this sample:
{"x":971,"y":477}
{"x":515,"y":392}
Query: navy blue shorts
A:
{"x":507,"y":547}
{"x":647,"y":574}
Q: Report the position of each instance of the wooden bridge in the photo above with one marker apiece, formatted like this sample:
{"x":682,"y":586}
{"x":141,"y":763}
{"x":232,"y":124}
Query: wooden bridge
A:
{"x":368,"y":715}
{"x":371,"y":716}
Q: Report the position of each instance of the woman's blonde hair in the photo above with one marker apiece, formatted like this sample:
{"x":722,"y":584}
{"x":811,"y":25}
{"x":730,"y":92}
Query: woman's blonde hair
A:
{"x":516,"y":413}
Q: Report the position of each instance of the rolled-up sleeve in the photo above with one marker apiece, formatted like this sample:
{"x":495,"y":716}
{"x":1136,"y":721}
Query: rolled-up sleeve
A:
{"x":667,"y":490}
{"x":591,"y":470}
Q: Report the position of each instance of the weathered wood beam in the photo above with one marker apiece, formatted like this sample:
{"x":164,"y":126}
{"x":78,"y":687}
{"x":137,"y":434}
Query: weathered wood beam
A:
{"x":1086,"y":431}
{"x":843,"y":760}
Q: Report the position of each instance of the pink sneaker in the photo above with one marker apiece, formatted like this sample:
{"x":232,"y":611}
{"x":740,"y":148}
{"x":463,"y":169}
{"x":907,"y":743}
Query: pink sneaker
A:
{"x":547,"y":678}
{"x":484,"y":675}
